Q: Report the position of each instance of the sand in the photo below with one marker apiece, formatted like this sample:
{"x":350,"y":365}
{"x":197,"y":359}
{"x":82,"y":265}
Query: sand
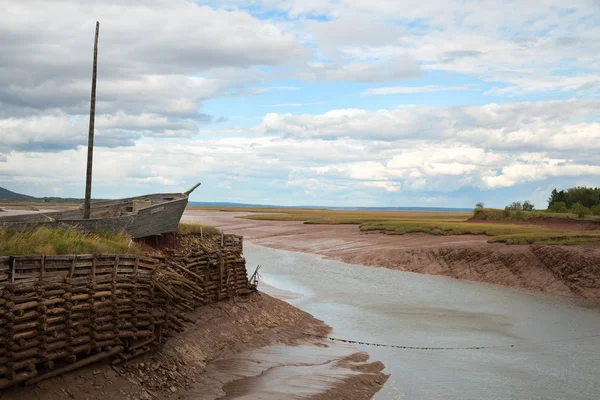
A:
{"x":562,"y":270}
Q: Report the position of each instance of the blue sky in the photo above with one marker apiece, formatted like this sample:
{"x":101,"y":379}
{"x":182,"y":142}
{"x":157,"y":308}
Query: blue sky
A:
{"x":312,"y":102}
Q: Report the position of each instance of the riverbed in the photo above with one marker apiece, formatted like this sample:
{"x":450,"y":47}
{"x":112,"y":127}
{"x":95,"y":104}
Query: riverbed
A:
{"x":556,"y":354}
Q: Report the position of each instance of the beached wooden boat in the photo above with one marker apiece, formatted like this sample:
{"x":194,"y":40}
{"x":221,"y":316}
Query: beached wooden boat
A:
{"x":141,"y":216}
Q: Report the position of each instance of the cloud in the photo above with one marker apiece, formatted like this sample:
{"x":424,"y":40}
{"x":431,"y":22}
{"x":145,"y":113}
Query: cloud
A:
{"x":151,"y":82}
{"x":532,"y":47}
{"x":333,"y":35}
{"x":59,"y":131}
{"x":161,"y":62}
{"x":414,"y":89}
{"x":542,"y":125}
{"x":398,"y":68}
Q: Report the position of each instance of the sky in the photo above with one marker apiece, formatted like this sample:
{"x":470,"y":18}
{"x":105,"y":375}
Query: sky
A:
{"x":303,"y":102}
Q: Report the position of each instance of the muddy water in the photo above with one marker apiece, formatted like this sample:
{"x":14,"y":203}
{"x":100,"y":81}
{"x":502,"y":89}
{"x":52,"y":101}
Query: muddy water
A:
{"x":393,"y":307}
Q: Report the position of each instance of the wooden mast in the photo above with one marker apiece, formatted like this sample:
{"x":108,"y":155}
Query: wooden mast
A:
{"x":90,"y":154}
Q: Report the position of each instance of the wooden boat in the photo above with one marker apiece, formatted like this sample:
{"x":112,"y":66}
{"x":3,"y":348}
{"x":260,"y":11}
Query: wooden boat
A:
{"x":140,"y":216}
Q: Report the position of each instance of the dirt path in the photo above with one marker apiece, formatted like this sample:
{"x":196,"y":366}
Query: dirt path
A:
{"x":233,"y":350}
{"x":563,"y":270}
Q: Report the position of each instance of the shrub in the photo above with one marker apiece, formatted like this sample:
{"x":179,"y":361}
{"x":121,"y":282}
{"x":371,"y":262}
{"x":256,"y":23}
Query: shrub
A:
{"x":518,"y":214}
{"x":580,"y":210}
{"x":515,"y":206}
{"x":596,"y":209}
{"x":527,"y":206}
{"x":478,"y":207}
{"x":558,"y":207}
{"x":506,"y":212}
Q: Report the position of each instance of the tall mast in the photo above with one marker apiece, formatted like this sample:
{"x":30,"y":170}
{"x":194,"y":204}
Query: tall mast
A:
{"x":90,"y":154}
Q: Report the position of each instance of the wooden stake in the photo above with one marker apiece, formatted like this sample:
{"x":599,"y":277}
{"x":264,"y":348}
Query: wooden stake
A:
{"x":88,"y":179}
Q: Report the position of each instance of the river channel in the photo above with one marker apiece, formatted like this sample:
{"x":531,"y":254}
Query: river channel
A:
{"x":557,"y":347}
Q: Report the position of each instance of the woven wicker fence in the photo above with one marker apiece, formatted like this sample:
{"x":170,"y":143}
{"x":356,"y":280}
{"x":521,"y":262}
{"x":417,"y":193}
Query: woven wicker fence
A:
{"x":60,"y":313}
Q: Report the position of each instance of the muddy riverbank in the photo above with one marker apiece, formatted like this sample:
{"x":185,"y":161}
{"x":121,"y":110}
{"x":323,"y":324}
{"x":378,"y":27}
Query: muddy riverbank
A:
{"x":255,"y":347}
{"x":563,"y":270}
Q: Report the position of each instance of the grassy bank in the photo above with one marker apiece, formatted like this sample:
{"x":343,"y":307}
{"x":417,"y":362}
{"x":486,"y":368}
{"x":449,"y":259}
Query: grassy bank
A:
{"x":185,"y":229}
{"x":513,"y":231}
{"x":493,"y":214}
{"x":63,"y":241}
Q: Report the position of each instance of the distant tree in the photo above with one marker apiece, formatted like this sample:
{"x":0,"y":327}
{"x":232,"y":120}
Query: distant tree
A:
{"x":515,"y":206}
{"x":556,"y":197}
{"x":587,"y":197}
{"x":527,"y":206}
{"x":478,"y":207}
{"x":580,"y":210}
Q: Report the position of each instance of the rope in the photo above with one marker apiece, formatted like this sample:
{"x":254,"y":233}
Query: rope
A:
{"x":449,"y":348}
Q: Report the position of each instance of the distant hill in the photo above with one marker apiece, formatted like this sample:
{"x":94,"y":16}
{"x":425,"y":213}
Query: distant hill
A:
{"x":7,"y":195}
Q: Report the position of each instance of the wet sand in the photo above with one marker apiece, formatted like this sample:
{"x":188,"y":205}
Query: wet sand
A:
{"x":563,"y":270}
{"x":256,"y":347}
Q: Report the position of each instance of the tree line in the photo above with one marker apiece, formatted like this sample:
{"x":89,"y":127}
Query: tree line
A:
{"x":580,"y":200}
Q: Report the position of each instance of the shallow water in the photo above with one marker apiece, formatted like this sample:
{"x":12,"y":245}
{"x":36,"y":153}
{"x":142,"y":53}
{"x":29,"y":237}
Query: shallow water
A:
{"x":392,"y":307}
{"x":274,"y":372}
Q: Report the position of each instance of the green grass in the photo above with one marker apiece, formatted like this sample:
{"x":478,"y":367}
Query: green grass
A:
{"x":185,"y":229}
{"x":565,"y":238}
{"x":450,"y":228}
{"x":436,"y":223}
{"x":48,"y":241}
{"x":493,"y":214}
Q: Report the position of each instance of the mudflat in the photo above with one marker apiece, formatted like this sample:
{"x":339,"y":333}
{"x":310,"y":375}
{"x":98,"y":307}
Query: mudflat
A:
{"x":557,"y":269}
{"x":256,"y":347}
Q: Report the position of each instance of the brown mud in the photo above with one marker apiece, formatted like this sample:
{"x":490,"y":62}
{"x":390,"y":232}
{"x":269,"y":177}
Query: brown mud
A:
{"x":562,"y":270}
{"x":250,"y":348}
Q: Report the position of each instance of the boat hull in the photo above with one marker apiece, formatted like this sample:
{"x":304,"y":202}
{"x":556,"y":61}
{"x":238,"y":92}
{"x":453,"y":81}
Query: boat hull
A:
{"x":162,"y":216}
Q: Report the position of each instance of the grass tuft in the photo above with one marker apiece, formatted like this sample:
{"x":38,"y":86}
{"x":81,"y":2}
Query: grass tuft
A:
{"x":47,"y":241}
{"x":185,"y":229}
{"x":565,"y":238}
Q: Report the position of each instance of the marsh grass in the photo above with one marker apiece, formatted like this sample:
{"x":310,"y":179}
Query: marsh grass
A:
{"x":185,"y":229}
{"x":565,"y":238}
{"x":493,"y":214}
{"x":61,"y":241}
{"x":451,"y":228}
{"x":436,"y":223}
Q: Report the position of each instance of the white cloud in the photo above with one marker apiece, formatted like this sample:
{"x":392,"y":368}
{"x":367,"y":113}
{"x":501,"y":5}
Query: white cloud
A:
{"x":157,"y":62}
{"x":414,"y":89}
{"x":534,"y":125}
{"x":397,"y":68}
